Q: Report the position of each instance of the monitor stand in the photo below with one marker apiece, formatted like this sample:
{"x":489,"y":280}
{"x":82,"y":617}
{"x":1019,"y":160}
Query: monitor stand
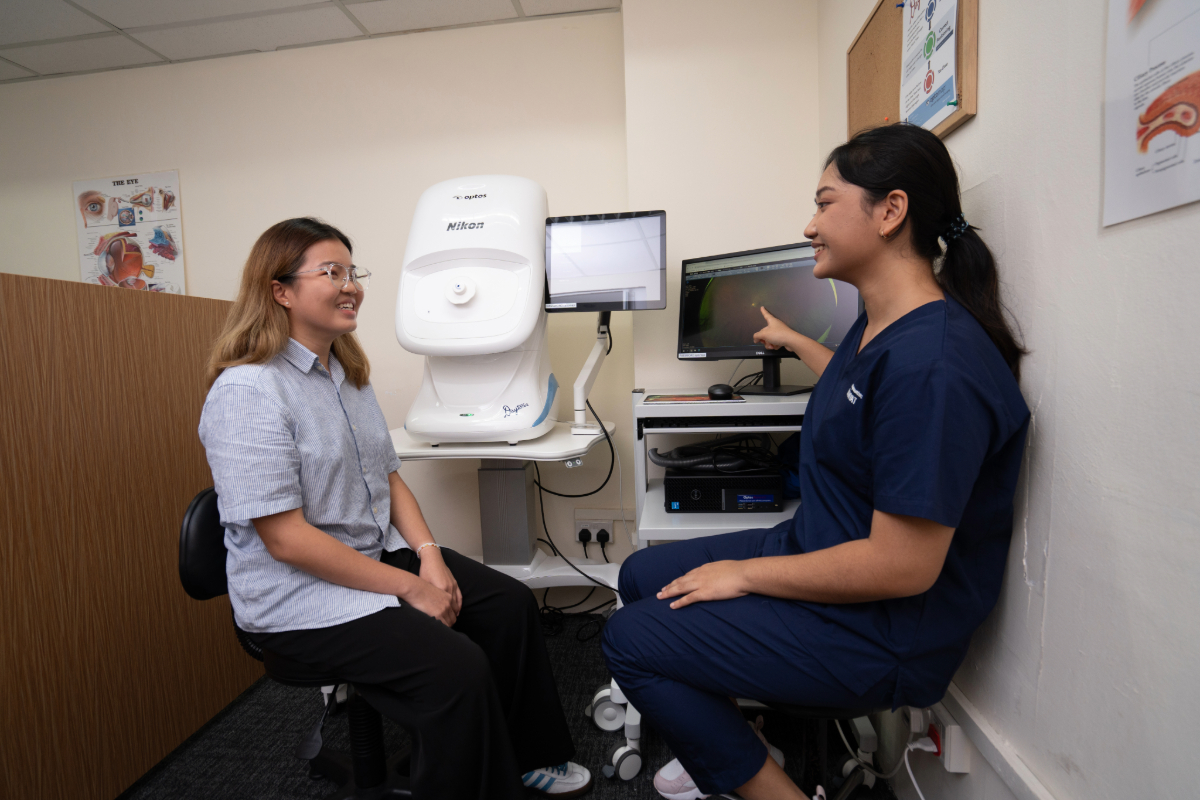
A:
{"x":770,"y":384}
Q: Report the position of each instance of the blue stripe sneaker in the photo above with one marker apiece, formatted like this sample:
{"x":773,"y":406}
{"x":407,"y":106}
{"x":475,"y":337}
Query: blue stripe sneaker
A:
{"x":566,"y":780}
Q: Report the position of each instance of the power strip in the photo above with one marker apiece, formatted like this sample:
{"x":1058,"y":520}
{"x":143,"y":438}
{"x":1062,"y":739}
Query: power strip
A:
{"x":954,"y":750}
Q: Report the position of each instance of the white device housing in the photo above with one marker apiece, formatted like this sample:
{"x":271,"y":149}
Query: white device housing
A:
{"x":471,"y":301}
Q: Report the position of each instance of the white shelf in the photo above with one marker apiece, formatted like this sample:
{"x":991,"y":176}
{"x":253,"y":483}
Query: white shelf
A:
{"x":657,"y":525}
{"x":558,"y":444}
{"x":755,"y":405}
{"x":725,"y":429}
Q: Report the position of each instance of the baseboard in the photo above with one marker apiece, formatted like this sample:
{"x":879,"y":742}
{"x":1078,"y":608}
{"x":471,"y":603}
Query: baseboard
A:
{"x":995,"y":749}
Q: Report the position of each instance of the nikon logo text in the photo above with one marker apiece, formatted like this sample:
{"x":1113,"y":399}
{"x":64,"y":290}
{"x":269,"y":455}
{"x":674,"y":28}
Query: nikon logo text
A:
{"x":464,"y":226}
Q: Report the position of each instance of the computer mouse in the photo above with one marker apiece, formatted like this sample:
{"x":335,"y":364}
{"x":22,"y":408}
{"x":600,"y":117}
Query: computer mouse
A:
{"x":720,"y":391}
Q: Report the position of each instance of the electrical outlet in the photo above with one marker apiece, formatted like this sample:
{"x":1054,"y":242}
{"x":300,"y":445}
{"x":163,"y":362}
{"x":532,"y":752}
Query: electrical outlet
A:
{"x":955,"y":752}
{"x":586,"y":529}
{"x":609,"y":519}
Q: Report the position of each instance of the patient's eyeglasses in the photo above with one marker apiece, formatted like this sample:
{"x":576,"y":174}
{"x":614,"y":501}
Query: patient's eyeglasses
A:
{"x":340,"y":274}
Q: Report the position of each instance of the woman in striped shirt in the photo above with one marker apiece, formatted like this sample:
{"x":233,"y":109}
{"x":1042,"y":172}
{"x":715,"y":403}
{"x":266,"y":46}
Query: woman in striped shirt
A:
{"x":331,"y":563}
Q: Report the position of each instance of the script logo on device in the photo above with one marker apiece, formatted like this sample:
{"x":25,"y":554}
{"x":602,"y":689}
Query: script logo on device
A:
{"x":508,"y":412}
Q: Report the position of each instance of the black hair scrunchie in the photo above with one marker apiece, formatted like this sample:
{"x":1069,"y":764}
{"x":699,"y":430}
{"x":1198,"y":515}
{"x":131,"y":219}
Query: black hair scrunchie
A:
{"x":957,"y":228}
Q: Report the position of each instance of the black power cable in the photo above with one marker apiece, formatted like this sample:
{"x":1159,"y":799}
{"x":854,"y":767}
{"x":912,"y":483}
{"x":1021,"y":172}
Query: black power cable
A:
{"x":549,"y":540}
{"x":728,"y":455}
{"x":553,"y":616}
{"x":611,"y":451}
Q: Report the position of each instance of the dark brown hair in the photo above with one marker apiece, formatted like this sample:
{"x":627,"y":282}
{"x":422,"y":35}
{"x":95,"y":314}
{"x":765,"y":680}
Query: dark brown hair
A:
{"x":914,"y":160}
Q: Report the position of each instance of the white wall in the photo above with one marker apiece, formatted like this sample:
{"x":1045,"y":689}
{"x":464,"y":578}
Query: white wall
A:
{"x":353,"y":133}
{"x":1087,"y":666}
{"x":721,"y":128}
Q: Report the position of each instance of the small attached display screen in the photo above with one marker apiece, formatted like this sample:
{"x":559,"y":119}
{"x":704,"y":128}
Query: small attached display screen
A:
{"x":723,"y":298}
{"x":607,"y":262}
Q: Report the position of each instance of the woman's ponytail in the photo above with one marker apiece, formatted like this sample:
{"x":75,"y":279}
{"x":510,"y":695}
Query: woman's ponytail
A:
{"x":913,"y":160}
{"x":968,"y":274}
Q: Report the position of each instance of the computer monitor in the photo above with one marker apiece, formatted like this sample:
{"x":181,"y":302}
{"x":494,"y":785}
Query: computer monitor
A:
{"x":721,"y":298}
{"x":607,"y":262}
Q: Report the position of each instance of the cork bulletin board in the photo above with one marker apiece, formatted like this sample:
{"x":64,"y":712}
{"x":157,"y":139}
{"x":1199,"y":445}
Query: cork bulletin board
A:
{"x":873,"y":68}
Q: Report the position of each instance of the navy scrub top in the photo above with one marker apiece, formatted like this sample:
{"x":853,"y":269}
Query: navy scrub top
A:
{"x":926,"y":421}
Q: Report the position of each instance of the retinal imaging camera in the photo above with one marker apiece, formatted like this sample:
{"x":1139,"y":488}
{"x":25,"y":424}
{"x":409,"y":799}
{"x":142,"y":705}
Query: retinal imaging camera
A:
{"x":482,"y":269}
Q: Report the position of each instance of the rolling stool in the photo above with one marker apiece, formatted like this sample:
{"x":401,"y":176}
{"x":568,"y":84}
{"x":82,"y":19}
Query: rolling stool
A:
{"x":365,"y":773}
{"x":611,"y":711}
{"x":849,"y":771}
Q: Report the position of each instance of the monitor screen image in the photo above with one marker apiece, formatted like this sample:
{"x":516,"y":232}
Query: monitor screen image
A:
{"x":607,"y":262}
{"x":722,"y":298}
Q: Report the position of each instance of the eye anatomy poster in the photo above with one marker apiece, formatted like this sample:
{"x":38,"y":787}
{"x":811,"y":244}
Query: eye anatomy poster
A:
{"x":928,"y":87}
{"x":129,"y":232}
{"x":1151,"y":107}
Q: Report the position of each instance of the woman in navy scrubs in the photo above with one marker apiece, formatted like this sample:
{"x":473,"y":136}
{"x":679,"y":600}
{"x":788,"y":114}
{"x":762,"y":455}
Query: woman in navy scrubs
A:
{"x":909,"y":457}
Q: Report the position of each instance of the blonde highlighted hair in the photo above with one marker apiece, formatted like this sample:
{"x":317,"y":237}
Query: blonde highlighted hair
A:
{"x":256,"y":329}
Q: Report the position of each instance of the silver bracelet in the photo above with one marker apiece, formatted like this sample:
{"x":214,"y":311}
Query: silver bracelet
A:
{"x":427,"y":544}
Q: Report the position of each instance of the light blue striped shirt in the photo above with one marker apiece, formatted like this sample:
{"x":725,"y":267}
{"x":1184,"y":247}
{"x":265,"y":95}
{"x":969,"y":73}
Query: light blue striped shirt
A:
{"x":287,"y":434}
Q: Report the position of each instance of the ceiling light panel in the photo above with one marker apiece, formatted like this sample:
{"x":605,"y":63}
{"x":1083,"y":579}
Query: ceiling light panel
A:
{"x":535,"y":8}
{"x":390,"y":16}
{"x":80,"y":55}
{"x":143,"y":13}
{"x":23,"y":21}
{"x":10,"y":71}
{"x":256,"y":33}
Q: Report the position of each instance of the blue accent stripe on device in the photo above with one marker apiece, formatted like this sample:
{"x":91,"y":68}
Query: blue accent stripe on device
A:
{"x":551,"y":390}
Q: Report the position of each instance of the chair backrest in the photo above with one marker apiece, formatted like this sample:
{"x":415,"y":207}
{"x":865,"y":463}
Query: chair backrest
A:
{"x":202,"y":548}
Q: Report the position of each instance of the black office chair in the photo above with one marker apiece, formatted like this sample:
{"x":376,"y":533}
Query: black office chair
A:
{"x":365,"y":773}
{"x":849,"y":774}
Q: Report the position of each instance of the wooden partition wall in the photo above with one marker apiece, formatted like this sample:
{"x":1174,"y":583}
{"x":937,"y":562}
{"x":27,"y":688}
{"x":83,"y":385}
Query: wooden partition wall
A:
{"x":105,"y":664}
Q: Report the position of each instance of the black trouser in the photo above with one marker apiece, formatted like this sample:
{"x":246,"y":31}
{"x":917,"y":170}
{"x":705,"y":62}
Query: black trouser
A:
{"x":479,"y":698}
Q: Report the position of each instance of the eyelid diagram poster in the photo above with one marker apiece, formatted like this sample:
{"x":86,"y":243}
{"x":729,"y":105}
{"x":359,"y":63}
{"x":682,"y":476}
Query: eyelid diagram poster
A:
{"x":130,"y":232}
{"x":927,"y":70}
{"x":1151,"y":107}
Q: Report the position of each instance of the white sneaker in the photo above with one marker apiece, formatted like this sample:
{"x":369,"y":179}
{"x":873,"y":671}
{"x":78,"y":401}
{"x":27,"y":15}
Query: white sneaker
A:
{"x":566,"y":780}
{"x":674,"y":783}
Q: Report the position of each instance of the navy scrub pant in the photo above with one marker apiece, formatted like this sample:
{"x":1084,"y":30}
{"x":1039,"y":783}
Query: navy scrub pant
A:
{"x":679,"y":667}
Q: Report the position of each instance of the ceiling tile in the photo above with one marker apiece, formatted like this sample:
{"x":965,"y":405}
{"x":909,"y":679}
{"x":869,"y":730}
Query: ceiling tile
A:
{"x":389,"y":16}
{"x":142,"y":13}
{"x":534,"y":8}
{"x":10,"y":71}
{"x":24,"y":21}
{"x":256,"y":33}
{"x":105,"y":52}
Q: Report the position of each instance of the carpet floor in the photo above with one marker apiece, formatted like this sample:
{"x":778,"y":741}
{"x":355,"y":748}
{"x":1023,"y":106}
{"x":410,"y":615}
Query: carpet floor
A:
{"x":246,"y":751}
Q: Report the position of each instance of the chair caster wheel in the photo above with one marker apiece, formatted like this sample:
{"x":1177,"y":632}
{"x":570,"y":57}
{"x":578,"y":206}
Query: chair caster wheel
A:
{"x":625,"y":763}
{"x":607,"y":715}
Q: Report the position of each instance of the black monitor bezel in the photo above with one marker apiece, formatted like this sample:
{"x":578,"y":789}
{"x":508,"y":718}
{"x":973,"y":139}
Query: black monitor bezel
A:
{"x":594,"y":307}
{"x":750,"y":351}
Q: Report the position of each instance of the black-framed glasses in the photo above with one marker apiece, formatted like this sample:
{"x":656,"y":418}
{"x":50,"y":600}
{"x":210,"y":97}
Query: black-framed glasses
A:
{"x":340,"y":274}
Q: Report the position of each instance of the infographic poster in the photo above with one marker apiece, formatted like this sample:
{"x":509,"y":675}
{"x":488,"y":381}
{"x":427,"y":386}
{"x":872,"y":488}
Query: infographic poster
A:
{"x":928,"y":86}
{"x":1151,"y":107}
{"x":129,"y":232}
